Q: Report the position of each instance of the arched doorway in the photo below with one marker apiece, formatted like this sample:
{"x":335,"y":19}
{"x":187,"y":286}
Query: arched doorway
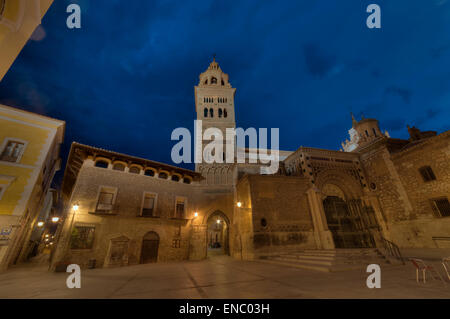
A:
{"x":351,"y":224}
{"x":217,"y":240}
{"x":150,"y":244}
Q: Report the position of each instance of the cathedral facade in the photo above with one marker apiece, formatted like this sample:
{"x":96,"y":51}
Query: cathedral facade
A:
{"x":123,"y":210}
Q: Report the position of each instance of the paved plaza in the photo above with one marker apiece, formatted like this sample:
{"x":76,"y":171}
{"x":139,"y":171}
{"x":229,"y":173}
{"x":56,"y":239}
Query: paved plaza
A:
{"x":218,"y":277}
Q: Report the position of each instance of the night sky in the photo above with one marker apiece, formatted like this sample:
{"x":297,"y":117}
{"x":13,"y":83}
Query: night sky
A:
{"x":125,"y":80}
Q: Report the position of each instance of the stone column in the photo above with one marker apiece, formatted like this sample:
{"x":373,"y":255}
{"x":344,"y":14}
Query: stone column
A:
{"x":322,"y":235}
{"x":372,"y":200}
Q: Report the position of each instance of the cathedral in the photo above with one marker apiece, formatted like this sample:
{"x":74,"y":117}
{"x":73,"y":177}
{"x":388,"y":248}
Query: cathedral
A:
{"x":376,"y":192}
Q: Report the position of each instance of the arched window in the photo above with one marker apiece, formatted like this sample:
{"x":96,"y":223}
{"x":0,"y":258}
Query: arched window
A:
{"x":213,"y":80}
{"x":186,"y":180}
{"x":175,"y":178}
{"x":223,"y":83}
{"x":149,"y":172}
{"x":225,"y":114}
{"x":134,"y":170}
{"x":119,"y":167}
{"x":211,"y":112}
{"x":162,"y":175}
{"x":102,"y":164}
{"x":220,"y":112}
{"x":205,"y":112}
{"x":206,"y":81}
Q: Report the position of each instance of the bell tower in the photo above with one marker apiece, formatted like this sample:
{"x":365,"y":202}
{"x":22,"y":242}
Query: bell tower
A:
{"x":214,"y":105}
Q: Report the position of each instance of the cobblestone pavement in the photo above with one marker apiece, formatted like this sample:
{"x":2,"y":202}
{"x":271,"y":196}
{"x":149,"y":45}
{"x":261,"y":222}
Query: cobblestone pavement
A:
{"x":219,"y":277}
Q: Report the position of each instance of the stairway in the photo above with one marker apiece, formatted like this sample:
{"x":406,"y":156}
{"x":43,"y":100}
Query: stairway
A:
{"x":330,"y":260}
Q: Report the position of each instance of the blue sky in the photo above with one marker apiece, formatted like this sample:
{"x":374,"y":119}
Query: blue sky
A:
{"x":125,"y":80}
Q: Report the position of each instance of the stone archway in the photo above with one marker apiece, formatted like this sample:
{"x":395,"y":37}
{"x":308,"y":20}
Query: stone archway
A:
{"x":150,"y":246}
{"x":341,"y":213}
{"x":217,"y":234}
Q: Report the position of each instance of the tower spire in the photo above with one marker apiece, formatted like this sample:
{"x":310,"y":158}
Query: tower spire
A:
{"x":354,"y":122}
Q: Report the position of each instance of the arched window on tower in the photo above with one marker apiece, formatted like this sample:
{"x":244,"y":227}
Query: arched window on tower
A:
{"x":213,"y":80}
{"x":206,"y":81}
{"x":205,"y":112}
{"x":211,"y":112}
{"x":225,"y":114}
{"x":220,"y":112}
{"x":223,"y":83}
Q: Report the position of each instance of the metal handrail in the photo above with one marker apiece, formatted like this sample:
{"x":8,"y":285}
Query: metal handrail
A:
{"x":392,"y":249}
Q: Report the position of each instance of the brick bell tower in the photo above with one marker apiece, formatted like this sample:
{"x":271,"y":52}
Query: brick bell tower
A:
{"x":214,"y":105}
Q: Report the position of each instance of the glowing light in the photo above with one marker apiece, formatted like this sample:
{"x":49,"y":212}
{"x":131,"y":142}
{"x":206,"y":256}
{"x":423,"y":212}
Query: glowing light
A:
{"x":218,"y":221}
{"x":75,"y":207}
{"x":46,"y":236}
{"x":195,"y":214}
{"x":40,"y":224}
{"x":239,"y":204}
{"x":55,"y":219}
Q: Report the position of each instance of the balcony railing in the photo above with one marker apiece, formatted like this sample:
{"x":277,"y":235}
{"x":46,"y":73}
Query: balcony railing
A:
{"x":392,"y":249}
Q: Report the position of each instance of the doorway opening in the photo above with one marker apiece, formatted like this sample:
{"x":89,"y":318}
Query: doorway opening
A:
{"x":150,"y":245}
{"x":217,"y":240}
{"x":351,"y":224}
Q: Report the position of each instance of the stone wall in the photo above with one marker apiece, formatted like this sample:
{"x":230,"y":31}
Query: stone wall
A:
{"x":280,"y":215}
{"x":179,"y":239}
{"x":403,"y":195}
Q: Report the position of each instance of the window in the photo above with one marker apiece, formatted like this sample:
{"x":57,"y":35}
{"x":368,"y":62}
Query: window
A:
{"x":180,"y":208}
{"x":148,"y":205}
{"x":102,"y":164}
{"x":441,"y":207}
{"x":205,"y":112}
{"x":106,"y":200}
{"x":220,"y":112}
{"x":12,"y":152}
{"x":211,"y":112}
{"x":149,"y":172}
{"x":82,"y":237}
{"x":119,"y":167}
{"x":175,"y":178}
{"x":225,"y":114}
{"x":367,"y":133}
{"x":134,"y":170}
{"x":176,"y":243}
{"x":162,"y":175}
{"x":374,"y":132}
{"x":223,"y":83}
{"x":2,"y":6}
{"x":213,"y":80}
{"x":427,"y":173}
{"x":186,"y":180}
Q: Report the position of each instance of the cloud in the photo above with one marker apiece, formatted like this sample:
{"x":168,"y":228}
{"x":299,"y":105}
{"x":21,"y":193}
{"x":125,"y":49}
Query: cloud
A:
{"x":405,"y":94}
{"x":317,"y":62}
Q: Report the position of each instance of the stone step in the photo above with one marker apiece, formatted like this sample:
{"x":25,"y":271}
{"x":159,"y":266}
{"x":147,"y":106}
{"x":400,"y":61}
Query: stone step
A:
{"x":305,"y":261}
{"x":329,"y":260}
{"x":295,"y":265}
